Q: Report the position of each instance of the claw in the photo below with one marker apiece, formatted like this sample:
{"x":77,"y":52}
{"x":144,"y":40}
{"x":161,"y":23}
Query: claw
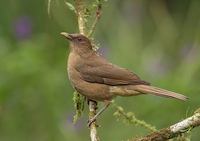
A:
{"x":90,"y":121}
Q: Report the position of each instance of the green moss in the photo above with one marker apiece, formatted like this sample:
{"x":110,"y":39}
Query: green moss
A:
{"x":79,"y":102}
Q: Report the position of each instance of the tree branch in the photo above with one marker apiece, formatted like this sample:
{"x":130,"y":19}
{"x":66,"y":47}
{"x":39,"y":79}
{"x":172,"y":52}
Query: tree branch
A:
{"x":97,"y":17}
{"x":79,"y":5}
{"x":174,"y":130}
{"x":130,"y":118}
{"x":92,"y":113}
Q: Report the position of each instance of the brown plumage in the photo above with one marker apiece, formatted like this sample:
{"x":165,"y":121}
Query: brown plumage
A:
{"x":97,"y":79}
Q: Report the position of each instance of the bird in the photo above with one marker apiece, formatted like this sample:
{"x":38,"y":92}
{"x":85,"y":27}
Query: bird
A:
{"x":97,"y":79}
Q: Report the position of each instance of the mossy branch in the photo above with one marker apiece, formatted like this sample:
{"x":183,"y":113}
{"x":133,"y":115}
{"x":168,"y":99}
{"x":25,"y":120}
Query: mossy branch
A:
{"x":131,"y":119}
{"x":173,"y":131}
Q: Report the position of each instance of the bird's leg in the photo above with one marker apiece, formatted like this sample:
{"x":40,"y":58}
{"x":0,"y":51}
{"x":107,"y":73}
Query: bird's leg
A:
{"x":107,"y":103}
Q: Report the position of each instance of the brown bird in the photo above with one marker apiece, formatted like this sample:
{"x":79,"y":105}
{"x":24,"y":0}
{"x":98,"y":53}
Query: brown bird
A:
{"x":99,"y":80}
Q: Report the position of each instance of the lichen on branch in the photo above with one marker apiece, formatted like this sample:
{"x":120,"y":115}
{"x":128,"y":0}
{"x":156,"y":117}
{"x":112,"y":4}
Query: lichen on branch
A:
{"x":173,"y":131}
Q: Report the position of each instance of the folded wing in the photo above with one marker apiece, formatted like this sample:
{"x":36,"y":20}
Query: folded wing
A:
{"x":106,"y":73}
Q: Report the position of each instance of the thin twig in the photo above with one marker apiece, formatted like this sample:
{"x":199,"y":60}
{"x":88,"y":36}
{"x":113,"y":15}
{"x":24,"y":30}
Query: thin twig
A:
{"x":49,"y":7}
{"x":79,"y":5}
{"x":174,"y":130}
{"x":97,"y":17}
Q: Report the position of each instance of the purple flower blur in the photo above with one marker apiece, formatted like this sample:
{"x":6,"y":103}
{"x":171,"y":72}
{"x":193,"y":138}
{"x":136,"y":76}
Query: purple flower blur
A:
{"x":23,"y":28}
{"x":79,"y":124}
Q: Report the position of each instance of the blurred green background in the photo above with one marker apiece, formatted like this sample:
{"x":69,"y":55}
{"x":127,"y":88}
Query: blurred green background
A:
{"x":157,"y":39}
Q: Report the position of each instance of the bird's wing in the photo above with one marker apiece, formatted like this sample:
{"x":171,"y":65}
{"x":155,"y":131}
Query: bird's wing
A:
{"x":101,"y":71}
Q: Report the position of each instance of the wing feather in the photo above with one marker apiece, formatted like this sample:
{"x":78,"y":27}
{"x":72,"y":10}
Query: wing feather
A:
{"x":106,"y":73}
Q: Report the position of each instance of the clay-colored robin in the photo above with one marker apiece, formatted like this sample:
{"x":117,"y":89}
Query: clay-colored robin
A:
{"x":99,"y":80}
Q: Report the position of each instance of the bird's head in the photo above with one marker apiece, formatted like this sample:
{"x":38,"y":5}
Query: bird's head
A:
{"x":78,"y":41}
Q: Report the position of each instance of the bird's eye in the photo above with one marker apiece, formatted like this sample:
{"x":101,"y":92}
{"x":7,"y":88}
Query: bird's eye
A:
{"x":80,"y":39}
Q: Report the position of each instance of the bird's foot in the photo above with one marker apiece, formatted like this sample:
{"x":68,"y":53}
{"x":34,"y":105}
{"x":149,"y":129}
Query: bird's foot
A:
{"x":93,"y":119}
{"x":90,"y":121}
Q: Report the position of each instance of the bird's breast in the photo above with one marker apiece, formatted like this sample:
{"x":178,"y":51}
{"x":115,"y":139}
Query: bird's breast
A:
{"x":73,"y":60}
{"x":94,"y":91}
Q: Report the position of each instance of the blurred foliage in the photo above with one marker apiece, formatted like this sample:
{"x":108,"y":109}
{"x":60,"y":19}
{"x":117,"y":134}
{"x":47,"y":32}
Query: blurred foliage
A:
{"x":158,"y":39}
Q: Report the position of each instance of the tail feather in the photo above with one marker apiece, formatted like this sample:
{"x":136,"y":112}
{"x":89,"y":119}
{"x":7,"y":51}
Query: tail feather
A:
{"x":159,"y":92}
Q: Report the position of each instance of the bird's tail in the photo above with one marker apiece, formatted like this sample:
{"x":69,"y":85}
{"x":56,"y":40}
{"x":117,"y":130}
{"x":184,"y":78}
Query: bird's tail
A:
{"x":159,"y":92}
